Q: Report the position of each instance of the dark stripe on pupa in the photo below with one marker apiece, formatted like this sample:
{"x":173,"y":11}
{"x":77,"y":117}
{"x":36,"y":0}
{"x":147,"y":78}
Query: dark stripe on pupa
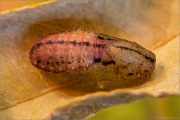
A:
{"x":145,"y":56}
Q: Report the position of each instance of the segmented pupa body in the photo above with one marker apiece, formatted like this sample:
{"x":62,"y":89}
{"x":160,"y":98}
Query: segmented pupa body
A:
{"x":106,"y":56}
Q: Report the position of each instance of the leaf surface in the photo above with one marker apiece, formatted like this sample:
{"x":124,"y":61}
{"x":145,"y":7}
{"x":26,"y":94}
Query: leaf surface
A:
{"x":153,"y":24}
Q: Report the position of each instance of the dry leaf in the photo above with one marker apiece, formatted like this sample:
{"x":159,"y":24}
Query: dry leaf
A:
{"x":150,"y":23}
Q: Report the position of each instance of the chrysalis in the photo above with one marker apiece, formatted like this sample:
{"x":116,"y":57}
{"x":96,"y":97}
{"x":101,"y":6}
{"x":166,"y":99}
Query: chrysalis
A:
{"x":100,"y":54}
